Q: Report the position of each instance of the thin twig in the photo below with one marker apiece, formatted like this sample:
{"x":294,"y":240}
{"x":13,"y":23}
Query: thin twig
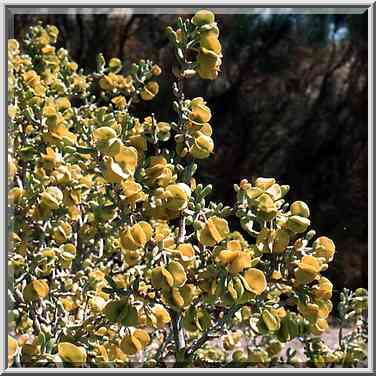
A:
{"x":209,"y":333}
{"x":182,"y":230}
{"x":178,"y":331}
{"x":159,"y":354}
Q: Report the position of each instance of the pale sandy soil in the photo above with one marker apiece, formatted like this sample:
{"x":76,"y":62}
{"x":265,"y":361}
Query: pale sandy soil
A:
{"x":330,"y":337}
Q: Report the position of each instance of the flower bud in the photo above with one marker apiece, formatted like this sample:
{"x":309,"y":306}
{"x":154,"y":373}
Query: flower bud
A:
{"x":203,"y":17}
{"x":298,"y":224}
{"x":300,"y":208}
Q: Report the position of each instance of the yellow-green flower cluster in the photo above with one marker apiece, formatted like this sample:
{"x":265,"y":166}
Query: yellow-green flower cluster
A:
{"x":209,"y":57}
{"x":285,"y":238}
{"x":197,"y":141}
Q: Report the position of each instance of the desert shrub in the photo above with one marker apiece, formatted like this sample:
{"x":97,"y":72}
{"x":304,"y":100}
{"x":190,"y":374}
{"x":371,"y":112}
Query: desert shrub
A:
{"x":117,"y":256}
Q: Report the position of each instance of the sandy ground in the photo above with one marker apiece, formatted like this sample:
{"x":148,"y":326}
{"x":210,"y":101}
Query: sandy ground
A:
{"x":330,"y":337}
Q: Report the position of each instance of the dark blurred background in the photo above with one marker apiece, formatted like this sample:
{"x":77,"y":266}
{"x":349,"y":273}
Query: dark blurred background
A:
{"x":291,"y":102}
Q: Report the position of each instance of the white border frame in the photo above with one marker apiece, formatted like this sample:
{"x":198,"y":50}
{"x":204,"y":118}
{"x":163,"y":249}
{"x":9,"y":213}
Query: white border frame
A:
{"x":208,"y":3}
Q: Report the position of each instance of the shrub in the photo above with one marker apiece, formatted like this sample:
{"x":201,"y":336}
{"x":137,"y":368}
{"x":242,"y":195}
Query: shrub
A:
{"x":117,"y":256}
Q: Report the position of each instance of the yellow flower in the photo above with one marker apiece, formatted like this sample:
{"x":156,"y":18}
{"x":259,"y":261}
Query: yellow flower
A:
{"x":31,"y":78}
{"x":62,"y":103}
{"x":136,"y":136}
{"x":132,"y":192}
{"x":62,"y":232}
{"x":309,"y":311}
{"x":208,"y":64}
{"x":281,"y":241}
{"x":12,"y":350}
{"x":162,"y":316}
{"x":58,"y":134}
{"x":104,"y":133}
{"x":12,"y":111}
{"x":122,"y":312}
{"x":298,"y":224}
{"x":150,"y":91}
{"x":209,"y":40}
{"x":68,"y":304}
{"x":119,"y":102}
{"x":162,"y":230}
{"x":178,"y":273}
{"x":159,"y":172}
{"x":13,"y":46}
{"x":203,"y":146}
{"x":185,"y":252}
{"x":15,"y":194}
{"x":266,"y":206}
{"x":135,"y":341}
{"x":276,"y":275}
{"x":279,"y":312}
{"x":323,"y":289}
{"x":254,"y":281}
{"x":161,"y":278}
{"x":156,"y":70}
{"x":263,"y":196}
{"x":200,"y":113}
{"x":101,"y":354}
{"x":319,"y":327}
{"x":203,"y":17}
{"x":179,"y":298}
{"x":52,"y":197}
{"x":136,"y":236}
{"x":71,"y":197}
{"x":107,"y":82}
{"x":234,"y":258}
{"x":51,"y":159}
{"x":264,"y":185}
{"x":231,"y":340}
{"x":71,"y":353}
{"x":325,"y":307}
{"x":172,"y":276}
{"x":271,"y":321}
{"x":97,"y":303}
{"x":300,"y":208}
{"x":198,"y":129}
{"x":214,"y":231}
{"x":127,"y":158}
{"x":52,"y":32}
{"x":107,"y":141}
{"x":163,"y":130}
{"x":176,"y":196}
{"x":113,"y":172}
{"x":35,"y":289}
{"x":308,"y":269}
{"x":324,"y":247}
{"x":115,"y":354}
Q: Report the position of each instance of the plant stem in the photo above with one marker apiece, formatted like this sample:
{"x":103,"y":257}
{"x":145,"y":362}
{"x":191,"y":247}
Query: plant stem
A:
{"x":178,"y":331}
{"x":36,"y":323}
{"x":340,"y":336}
{"x":159,"y":354}
{"x":209,"y":333}
{"x":182,"y":230}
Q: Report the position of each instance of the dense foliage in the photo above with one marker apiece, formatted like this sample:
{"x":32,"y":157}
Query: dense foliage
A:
{"x":116,"y":253}
{"x":294,"y":88}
